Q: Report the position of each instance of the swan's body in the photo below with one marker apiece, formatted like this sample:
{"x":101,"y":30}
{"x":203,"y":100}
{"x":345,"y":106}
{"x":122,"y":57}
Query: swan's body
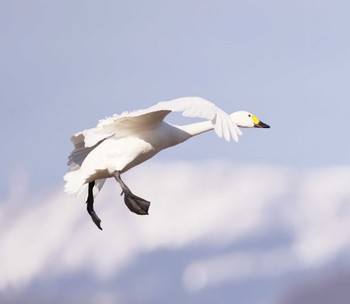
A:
{"x":123,"y":141}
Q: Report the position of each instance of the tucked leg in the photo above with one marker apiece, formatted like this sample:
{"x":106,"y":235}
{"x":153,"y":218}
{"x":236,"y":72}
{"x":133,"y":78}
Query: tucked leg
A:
{"x":90,"y":205}
{"x":135,"y":204}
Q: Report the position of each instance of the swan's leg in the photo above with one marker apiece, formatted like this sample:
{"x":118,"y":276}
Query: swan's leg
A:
{"x":135,"y":204}
{"x":90,"y":205}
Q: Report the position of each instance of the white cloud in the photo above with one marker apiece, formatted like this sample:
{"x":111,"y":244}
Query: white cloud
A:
{"x":322,"y":215}
{"x":238,"y":266}
{"x":210,"y":204}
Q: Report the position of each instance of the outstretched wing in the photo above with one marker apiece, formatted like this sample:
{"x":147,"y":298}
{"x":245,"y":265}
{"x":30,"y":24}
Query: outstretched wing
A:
{"x":189,"y":106}
{"x":202,"y":108}
{"x":126,"y":123}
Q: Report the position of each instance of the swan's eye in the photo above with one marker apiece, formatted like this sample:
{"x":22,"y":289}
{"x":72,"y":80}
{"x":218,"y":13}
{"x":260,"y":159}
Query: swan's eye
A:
{"x":249,"y":115}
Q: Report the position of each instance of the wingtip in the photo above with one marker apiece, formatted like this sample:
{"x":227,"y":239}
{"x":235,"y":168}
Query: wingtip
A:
{"x":235,"y":136}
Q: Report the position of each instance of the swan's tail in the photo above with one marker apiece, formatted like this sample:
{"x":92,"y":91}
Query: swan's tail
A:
{"x":76,"y":183}
{"x":76,"y":179}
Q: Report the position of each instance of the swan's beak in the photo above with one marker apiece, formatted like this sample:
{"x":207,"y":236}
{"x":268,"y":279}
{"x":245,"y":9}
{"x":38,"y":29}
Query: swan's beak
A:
{"x":261,"y":124}
{"x":258,"y":123}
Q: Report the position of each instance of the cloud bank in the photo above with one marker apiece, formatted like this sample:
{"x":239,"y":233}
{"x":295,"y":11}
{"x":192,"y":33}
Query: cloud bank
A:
{"x":194,"y":205}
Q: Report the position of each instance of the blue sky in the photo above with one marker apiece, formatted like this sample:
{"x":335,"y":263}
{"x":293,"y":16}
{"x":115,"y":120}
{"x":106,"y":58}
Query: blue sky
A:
{"x":66,"y":64}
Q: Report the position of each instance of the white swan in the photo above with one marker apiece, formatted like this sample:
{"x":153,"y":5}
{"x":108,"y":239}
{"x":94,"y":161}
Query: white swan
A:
{"x":121,"y":142}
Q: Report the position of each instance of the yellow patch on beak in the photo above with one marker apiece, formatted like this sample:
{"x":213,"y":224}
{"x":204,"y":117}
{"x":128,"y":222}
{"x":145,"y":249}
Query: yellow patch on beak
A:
{"x":255,"y":119}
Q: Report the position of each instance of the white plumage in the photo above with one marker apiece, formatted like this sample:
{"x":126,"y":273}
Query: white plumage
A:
{"x":123,"y":141}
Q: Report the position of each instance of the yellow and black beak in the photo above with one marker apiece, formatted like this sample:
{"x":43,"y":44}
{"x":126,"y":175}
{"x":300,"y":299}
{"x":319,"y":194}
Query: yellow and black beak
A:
{"x":258,"y":123}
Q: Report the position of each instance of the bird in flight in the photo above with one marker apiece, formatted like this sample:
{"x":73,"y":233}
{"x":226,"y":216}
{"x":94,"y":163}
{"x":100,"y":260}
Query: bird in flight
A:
{"x":121,"y":142}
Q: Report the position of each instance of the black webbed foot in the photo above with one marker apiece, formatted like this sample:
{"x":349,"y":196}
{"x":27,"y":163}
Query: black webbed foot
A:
{"x":136,"y":204}
{"x":90,"y":206}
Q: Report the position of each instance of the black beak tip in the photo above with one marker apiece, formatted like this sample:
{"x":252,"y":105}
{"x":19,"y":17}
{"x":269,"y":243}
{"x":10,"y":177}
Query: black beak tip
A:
{"x":262,"y":125}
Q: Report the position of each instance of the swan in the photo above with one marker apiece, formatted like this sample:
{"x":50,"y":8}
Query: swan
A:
{"x":121,"y":142}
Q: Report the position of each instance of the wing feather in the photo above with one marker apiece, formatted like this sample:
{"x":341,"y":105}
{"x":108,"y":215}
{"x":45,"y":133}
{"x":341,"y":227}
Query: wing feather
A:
{"x":126,"y":123}
{"x":87,"y":140}
{"x":189,"y":106}
{"x":123,"y":123}
{"x":202,"y":108}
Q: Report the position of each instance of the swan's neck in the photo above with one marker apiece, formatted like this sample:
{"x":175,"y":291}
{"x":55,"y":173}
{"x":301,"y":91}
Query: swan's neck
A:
{"x":196,"y":128}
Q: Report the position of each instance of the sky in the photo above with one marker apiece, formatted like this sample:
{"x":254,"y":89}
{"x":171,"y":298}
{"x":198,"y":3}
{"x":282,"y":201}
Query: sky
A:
{"x":64,"y":65}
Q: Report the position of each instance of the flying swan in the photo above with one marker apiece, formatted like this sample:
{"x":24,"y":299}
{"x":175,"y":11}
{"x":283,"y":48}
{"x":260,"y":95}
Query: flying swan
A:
{"x":121,"y":142}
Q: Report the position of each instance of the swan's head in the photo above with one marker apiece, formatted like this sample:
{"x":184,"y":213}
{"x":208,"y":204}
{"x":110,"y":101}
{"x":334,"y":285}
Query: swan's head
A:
{"x":245,"y":119}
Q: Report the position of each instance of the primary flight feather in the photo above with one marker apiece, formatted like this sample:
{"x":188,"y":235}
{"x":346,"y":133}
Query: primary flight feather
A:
{"x":123,"y":141}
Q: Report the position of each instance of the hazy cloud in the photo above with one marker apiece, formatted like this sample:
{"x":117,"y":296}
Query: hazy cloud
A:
{"x":204,"y":203}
